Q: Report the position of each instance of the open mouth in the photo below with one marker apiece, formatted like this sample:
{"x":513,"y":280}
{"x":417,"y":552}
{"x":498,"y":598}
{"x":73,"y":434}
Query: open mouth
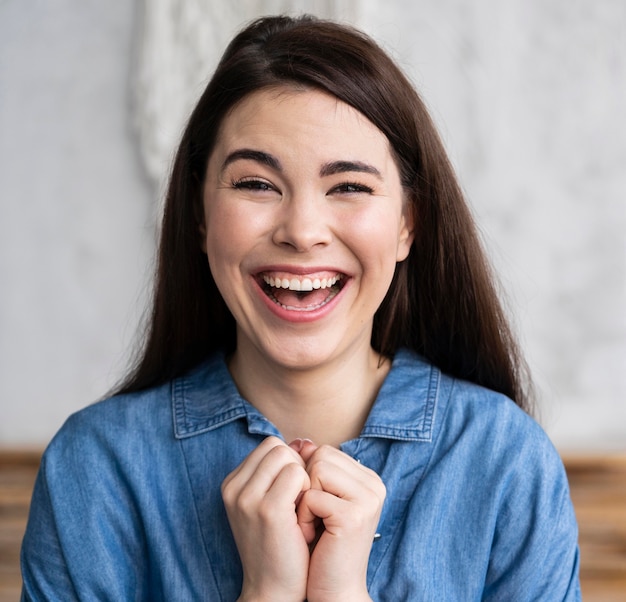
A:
{"x":301,"y":293}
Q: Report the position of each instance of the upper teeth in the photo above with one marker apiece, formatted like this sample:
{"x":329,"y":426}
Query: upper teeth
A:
{"x":296,"y":284}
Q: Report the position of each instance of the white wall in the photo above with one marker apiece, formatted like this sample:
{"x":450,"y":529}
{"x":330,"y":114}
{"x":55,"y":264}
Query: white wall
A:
{"x":529,"y":95}
{"x":75,"y":209}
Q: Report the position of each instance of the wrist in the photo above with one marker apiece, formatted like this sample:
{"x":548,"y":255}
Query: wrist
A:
{"x":256,"y":596}
{"x":271,"y":598}
{"x":341,"y":597}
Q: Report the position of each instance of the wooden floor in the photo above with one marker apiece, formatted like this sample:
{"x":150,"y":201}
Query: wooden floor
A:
{"x":17,"y":475}
{"x":598,"y":489}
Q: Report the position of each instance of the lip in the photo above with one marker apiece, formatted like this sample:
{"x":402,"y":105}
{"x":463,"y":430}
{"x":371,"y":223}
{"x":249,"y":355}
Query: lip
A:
{"x":293,"y":316}
{"x":298,"y":270}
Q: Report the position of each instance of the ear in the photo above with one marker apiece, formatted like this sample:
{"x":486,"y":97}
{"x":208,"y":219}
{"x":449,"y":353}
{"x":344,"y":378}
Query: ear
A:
{"x":406,"y":235}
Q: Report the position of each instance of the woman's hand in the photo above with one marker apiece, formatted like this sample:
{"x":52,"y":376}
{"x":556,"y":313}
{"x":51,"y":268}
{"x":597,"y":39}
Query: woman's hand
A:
{"x":260,"y":498}
{"x":348,"y":498}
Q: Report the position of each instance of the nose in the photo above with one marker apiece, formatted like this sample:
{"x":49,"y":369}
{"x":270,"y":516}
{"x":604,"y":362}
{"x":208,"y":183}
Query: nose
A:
{"x":303,"y":223}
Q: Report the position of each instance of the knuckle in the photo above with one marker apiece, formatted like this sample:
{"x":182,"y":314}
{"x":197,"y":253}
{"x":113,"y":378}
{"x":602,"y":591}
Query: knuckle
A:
{"x":322,"y":453}
{"x":266,"y":512}
{"x":228,"y":492}
{"x":381,"y":490}
{"x":325,"y":450}
{"x":245,"y":503}
{"x":318,"y":468}
{"x":271,"y":444}
{"x":282,"y":453}
{"x":292,"y":470}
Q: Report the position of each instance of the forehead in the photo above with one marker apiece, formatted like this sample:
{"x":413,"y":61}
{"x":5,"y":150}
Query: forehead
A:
{"x":289,"y":116}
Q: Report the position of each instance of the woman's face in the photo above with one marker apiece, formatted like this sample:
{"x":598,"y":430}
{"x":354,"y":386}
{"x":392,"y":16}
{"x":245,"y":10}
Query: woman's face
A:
{"x":304,"y":223}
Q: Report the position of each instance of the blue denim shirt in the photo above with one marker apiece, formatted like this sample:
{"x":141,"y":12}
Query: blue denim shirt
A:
{"x":127,"y":504}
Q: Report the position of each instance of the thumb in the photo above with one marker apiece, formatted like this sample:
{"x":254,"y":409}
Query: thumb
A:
{"x":308,"y":521}
{"x":305,"y":447}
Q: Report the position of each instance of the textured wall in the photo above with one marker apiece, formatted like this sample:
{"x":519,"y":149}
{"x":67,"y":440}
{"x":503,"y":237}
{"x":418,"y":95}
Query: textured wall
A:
{"x":75,"y":225}
{"x":529,"y":96}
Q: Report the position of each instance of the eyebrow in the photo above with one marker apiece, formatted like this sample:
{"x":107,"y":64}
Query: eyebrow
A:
{"x":328,"y":169}
{"x":252,"y":155}
{"x":335,"y":167}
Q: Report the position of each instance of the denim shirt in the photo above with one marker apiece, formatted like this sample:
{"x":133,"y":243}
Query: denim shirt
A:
{"x":127,"y":504}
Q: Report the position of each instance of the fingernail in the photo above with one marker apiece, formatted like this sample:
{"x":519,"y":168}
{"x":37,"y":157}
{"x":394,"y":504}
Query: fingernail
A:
{"x":297,"y":444}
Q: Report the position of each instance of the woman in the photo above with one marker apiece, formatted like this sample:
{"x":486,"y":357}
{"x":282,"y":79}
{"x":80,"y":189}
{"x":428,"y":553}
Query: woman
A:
{"x":329,"y":404}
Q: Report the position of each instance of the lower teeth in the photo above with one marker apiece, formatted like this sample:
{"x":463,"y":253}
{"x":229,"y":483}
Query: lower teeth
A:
{"x":331,"y":295}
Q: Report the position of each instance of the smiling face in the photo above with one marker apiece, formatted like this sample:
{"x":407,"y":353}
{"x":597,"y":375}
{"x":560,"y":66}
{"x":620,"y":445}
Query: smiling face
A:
{"x":305,"y":220}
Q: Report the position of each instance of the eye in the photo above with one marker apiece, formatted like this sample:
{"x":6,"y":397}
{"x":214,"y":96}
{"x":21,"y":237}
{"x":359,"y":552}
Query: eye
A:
{"x":352,"y":188}
{"x":253,"y":184}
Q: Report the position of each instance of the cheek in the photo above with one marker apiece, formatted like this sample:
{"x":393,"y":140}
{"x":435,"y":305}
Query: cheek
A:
{"x":377,"y":235}
{"x":222,"y":237}
{"x":225,"y":222}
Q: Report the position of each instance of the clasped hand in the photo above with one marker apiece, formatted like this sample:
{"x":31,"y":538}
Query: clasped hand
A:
{"x":303,"y":518}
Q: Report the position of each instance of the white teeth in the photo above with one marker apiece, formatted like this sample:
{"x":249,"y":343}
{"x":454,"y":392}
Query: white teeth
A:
{"x":306,"y":284}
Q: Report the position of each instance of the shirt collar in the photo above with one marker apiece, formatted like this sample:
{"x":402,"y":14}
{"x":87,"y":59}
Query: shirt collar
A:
{"x":207,"y":398}
{"x":406,"y":403}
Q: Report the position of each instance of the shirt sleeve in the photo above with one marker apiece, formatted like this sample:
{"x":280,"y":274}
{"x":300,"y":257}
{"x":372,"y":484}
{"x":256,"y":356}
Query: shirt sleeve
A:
{"x":84,"y":539}
{"x":45,"y":573}
{"x":535,"y":552}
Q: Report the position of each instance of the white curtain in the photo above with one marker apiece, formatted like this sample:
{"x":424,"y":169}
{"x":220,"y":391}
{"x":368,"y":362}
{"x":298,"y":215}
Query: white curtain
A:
{"x":180,"y":42}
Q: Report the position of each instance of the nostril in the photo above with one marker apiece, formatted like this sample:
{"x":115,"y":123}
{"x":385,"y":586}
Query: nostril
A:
{"x":303,"y":229}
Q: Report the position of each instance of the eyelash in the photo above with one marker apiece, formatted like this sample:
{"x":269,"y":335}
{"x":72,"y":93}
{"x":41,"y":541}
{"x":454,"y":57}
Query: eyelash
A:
{"x":252,"y":184}
{"x":353,"y":188}
{"x":263,"y":186}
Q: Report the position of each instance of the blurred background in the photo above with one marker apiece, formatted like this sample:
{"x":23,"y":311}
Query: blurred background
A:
{"x":529,"y":96}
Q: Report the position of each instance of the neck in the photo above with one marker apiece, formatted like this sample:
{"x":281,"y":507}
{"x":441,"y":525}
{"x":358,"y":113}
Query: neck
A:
{"x":327,"y":404}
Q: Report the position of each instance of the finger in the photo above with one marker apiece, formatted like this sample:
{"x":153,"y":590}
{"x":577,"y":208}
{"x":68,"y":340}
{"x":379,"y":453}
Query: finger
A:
{"x":338,"y":516}
{"x":336,"y":456}
{"x":319,"y":505}
{"x":307,"y":449}
{"x":250,"y":464}
{"x":334,"y":471}
{"x":344,"y":499}
{"x":255,"y":476}
{"x":298,"y":444}
{"x":307,"y":519}
{"x":269,"y":467}
{"x":341,"y":517}
{"x":348,"y":484}
{"x":286,"y":490}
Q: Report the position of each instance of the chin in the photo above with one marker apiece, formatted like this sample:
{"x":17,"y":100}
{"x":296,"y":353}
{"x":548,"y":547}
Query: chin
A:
{"x":300,"y":358}
{"x":302,"y":353}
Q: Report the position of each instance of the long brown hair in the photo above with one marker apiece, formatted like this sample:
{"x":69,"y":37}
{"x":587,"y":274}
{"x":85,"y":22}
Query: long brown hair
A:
{"x":442,"y":302}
